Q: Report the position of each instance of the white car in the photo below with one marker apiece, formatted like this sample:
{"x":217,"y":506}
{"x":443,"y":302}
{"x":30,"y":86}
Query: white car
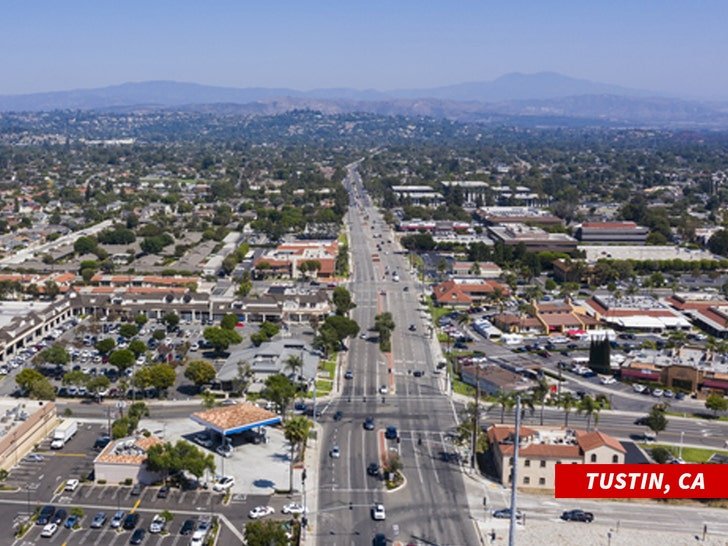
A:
{"x":383,"y":389}
{"x":71,"y":485}
{"x":607,"y":380}
{"x":657,"y":393}
{"x":260,"y":512}
{"x":378,"y":513}
{"x":224,"y":483}
{"x":335,"y":453}
{"x":638,"y":388}
{"x":158,"y":524}
{"x":49,"y":530}
{"x":194,"y":347}
{"x":294,"y":508}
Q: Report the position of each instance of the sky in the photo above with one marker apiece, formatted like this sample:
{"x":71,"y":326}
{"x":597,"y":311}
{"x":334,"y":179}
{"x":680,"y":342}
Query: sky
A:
{"x":669,"y":46}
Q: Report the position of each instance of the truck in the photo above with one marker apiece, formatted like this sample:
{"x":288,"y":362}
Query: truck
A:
{"x":63,"y":433}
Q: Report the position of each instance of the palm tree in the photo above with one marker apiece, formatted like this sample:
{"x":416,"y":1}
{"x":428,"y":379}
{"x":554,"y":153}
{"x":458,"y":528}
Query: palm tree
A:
{"x":539,"y":394}
{"x":294,"y":364}
{"x":567,"y":402}
{"x":589,"y":407}
{"x":295,"y":430}
{"x":505,"y":401}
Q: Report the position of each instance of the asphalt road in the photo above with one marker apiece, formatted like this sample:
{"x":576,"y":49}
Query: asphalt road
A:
{"x":417,"y":408}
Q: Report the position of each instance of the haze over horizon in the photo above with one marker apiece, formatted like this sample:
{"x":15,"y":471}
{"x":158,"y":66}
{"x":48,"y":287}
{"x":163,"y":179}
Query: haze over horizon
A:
{"x":665,"y":47}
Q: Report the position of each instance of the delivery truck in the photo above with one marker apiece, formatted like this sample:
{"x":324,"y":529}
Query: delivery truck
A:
{"x":63,"y":433}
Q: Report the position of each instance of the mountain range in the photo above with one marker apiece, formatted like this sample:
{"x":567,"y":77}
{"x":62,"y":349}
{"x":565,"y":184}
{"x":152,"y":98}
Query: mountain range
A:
{"x":543,"y":96}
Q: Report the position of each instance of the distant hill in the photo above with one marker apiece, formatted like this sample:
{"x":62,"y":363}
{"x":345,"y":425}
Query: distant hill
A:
{"x":545,"y":95}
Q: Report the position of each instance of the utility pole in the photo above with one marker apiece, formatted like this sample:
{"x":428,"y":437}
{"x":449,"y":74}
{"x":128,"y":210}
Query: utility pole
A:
{"x":476,"y":417}
{"x":514,"y":474}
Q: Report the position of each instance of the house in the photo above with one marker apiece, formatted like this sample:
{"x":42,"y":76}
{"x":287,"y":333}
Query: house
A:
{"x":542,"y":448}
{"x":459,"y":292}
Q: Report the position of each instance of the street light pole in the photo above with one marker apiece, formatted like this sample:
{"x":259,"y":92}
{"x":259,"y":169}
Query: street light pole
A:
{"x":514,"y":477}
{"x":682,"y":436}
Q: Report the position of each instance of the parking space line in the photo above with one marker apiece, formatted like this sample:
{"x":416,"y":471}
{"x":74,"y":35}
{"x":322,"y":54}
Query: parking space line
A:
{"x":87,"y":491}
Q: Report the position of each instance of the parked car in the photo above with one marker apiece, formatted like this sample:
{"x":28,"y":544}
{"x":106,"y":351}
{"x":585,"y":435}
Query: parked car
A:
{"x":136,"y":490}
{"x":577,"y":515}
{"x":224,"y":483}
{"x":158,"y":524}
{"x":204,"y":440}
{"x":46,"y":514}
{"x":294,"y":508}
{"x":99,"y":520}
{"x":49,"y":530}
{"x":130,"y":521}
{"x":71,"y":521}
{"x":261,"y":512}
{"x":137,"y":537}
{"x":225,"y":450}
{"x":187,"y":528}
{"x":163,"y":492}
{"x":117,"y":520}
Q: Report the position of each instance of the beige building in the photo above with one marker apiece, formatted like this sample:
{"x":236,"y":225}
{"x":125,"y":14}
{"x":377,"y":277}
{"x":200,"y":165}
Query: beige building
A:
{"x":23,"y":424}
{"x":542,"y":448}
{"x":126,"y":459}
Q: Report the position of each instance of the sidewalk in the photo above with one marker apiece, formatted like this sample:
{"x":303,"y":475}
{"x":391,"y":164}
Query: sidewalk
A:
{"x":311,"y":466}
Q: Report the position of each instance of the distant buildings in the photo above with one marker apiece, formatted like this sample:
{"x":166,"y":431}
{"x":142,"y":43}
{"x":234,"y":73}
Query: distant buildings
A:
{"x":423,"y":196}
{"x":533,"y":238}
{"x":637,"y":312}
{"x":465,"y":292}
{"x":542,"y":448}
{"x":612,"y":232}
{"x":287,"y":259}
{"x":517,"y":215}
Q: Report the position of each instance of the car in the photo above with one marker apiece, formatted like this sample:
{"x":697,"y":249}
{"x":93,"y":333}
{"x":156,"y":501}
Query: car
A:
{"x":363,"y":335}
{"x":390,"y":433}
{"x":412,"y":328}
{"x":223,"y":483}
{"x":378,"y":513}
{"x":71,"y":485}
{"x":35,"y":458}
{"x":294,"y":508}
{"x":136,"y":490}
{"x":373,"y":469}
{"x":49,"y":530}
{"x":188,"y":527}
{"x":577,"y":515}
{"x":163,"y":492}
{"x":71,"y":521}
{"x":130,"y":521}
{"x":405,"y":289}
{"x":505,"y":513}
{"x":383,"y":389}
{"x":101,"y":442}
{"x":45,"y":515}
{"x":607,"y":380}
{"x":379,"y":540}
{"x":668,"y":393}
{"x":118,"y":518}
{"x":680,"y":396}
{"x":642,"y":421}
{"x":349,"y":374}
{"x":137,"y":537}
{"x":338,"y":416}
{"x":335,"y":453}
{"x":636,"y":387}
{"x":418,"y":373}
{"x":657,"y":393}
{"x":369,"y":423}
{"x":59,"y":517}
{"x":98,"y":521}
{"x":261,"y":512}
{"x":158,"y":524}
{"x":204,"y":440}
{"x":225,"y":450}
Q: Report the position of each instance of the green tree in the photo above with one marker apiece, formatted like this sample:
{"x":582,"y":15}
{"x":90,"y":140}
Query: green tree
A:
{"x":220,"y":338}
{"x":295,"y":430}
{"x":141,"y":319}
{"x":137,"y":347}
{"x":280,"y":390}
{"x":85,"y":245}
{"x":76,"y":378}
{"x":246,"y":285}
{"x":384,"y":326}
{"x":660,"y":455}
{"x":128,"y":330}
{"x":122,"y":359}
{"x":506,"y":401}
{"x":294,"y":364}
{"x":265,"y":532}
{"x":105,"y":346}
{"x":161,"y":376}
{"x":171,"y":319}
{"x":55,"y":354}
{"x":567,"y":401}
{"x":200,"y":372}
{"x":656,"y":419}
{"x":229,"y":321}
{"x":590,"y":408}
{"x":159,"y":334}
{"x":342,"y":300}
{"x":716,"y":403}
{"x":27,"y":377}
{"x":540,"y":392}
{"x":97,"y":384}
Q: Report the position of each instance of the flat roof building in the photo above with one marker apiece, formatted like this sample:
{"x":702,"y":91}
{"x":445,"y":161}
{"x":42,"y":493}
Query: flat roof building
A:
{"x":612,"y":232}
{"x":533,"y":238}
{"x":126,"y":460}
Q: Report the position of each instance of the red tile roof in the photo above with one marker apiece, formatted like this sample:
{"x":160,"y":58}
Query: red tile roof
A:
{"x":594,"y":439}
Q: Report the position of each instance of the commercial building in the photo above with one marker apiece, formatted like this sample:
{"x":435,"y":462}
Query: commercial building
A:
{"x":494,"y":379}
{"x":643,"y":253}
{"x":533,"y":216}
{"x":423,"y":196}
{"x":287,"y":259}
{"x":23,"y":425}
{"x":236,"y":419}
{"x":125,"y":460}
{"x":542,"y":448}
{"x":708,"y":311}
{"x":473,"y":191}
{"x":464,"y":292}
{"x":612,"y":232}
{"x":533,"y":238}
{"x":638,"y":313}
{"x":482,"y":270}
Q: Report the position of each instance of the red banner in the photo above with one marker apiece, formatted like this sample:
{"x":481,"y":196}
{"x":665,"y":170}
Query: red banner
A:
{"x":641,"y":481}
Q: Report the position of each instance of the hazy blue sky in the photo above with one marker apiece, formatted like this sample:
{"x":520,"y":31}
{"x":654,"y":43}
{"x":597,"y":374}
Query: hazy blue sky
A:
{"x":679,"y":47}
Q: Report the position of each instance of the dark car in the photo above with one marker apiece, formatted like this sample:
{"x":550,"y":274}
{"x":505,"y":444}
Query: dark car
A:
{"x":379,"y":540}
{"x":349,"y":375}
{"x":45,"y":515}
{"x":642,"y":421}
{"x":59,"y":517}
{"x":418,"y":373}
{"x":137,"y":537}
{"x":577,"y":515}
{"x":101,"y":442}
{"x":163,"y":492}
{"x":369,"y":423}
{"x":338,"y":416}
{"x":505,"y":513}
{"x":130,"y":521}
{"x":373,"y":469}
{"x":390,"y":433}
{"x":187,"y":528}
{"x":136,"y":490}
{"x":412,"y":327}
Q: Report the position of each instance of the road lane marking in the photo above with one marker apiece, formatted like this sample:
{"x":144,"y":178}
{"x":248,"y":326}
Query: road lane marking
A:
{"x":348,"y":450}
{"x":417,"y":460}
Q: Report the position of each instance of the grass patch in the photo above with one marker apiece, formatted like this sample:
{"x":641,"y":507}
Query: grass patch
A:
{"x":463,"y":388}
{"x":689,"y":454}
{"x":709,"y":417}
{"x":323,"y":387}
{"x":436,"y":312}
{"x":328,"y":366}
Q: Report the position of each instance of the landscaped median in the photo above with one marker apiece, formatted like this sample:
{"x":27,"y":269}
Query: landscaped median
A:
{"x":688,"y":454}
